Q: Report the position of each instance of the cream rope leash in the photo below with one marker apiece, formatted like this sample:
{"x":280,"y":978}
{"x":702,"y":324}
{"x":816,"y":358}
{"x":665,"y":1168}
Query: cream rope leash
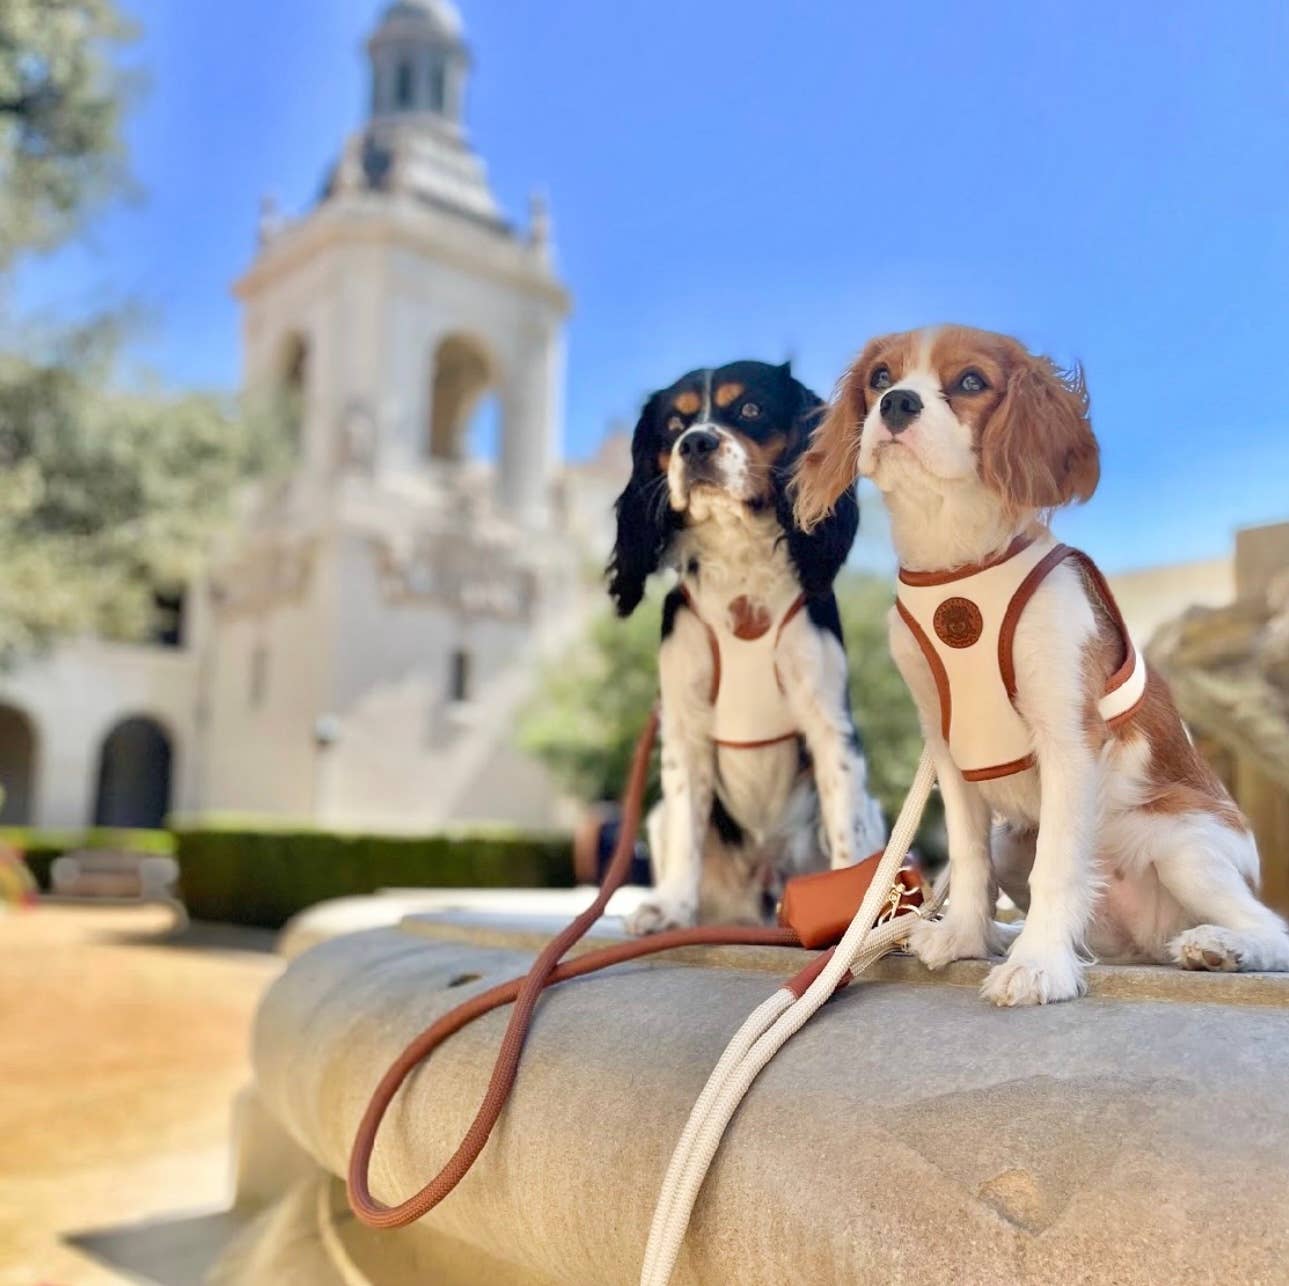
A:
{"x":770,"y":1026}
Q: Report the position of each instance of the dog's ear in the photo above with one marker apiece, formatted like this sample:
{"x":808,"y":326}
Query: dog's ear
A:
{"x":646,"y":521}
{"x":827,"y":470}
{"x":817,"y":552}
{"x":1037,"y":449}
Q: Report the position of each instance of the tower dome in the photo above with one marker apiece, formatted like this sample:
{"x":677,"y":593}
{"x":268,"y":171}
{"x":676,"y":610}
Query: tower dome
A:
{"x":419,"y":61}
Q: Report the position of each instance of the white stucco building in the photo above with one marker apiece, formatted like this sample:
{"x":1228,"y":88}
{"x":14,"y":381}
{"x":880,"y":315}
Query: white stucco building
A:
{"x":359,"y":649}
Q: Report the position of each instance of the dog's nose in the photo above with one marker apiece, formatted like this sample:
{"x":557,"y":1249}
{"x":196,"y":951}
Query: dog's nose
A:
{"x":698,"y":442}
{"x":900,"y":407}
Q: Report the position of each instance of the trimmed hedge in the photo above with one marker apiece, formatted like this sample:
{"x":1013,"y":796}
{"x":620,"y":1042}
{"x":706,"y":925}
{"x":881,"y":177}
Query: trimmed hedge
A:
{"x":264,"y":876}
{"x":39,"y":847}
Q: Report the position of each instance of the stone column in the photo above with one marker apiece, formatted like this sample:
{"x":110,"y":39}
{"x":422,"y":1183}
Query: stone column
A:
{"x":530,"y":446}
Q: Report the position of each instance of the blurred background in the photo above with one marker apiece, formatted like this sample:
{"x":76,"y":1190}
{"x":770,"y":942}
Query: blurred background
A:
{"x":324,"y":325}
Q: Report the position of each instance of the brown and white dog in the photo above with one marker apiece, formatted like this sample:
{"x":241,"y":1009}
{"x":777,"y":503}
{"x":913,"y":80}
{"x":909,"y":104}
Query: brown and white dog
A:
{"x":1113,"y":833}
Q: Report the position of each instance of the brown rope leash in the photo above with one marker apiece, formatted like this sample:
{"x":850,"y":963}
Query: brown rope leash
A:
{"x":549,"y":968}
{"x":524,"y":992}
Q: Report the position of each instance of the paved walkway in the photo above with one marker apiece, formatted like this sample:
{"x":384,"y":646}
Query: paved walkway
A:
{"x":120,"y":1051}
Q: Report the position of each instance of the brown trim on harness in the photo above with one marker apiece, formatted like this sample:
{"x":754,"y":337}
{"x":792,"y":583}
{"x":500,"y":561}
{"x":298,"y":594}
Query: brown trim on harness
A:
{"x":797,"y":605}
{"x":783,"y":624}
{"x":999,"y":770}
{"x":1020,"y":600}
{"x":1124,"y":672}
{"x":938,"y":672}
{"x":756,"y":745}
{"x":919,"y":579}
{"x":1029,"y":586}
{"x":712,"y":642}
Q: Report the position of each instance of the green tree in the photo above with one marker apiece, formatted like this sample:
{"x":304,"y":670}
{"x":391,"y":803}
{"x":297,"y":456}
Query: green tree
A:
{"x":61,"y":96}
{"x":107,"y":497}
{"x":590,"y":707}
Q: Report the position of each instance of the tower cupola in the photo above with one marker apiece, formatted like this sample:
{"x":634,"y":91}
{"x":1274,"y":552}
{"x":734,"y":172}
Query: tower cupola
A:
{"x":419,"y":62}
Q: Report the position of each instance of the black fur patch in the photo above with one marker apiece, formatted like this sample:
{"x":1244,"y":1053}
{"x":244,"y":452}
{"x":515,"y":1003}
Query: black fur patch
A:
{"x":771,"y":411}
{"x":670,"y":606}
{"x":726,"y":827}
{"x":823,"y":614}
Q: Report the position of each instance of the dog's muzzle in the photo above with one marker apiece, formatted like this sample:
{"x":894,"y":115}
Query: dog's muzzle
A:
{"x":698,"y":450}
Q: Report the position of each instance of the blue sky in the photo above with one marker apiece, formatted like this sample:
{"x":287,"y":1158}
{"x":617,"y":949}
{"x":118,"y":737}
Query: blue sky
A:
{"x":1108,"y":181}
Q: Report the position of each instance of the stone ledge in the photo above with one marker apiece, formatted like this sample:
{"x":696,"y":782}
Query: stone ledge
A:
{"x":909,"y":1133}
{"x":1118,"y":982}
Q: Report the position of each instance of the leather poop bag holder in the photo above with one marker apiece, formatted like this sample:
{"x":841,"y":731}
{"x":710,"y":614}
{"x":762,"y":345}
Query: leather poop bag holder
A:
{"x":820,"y":907}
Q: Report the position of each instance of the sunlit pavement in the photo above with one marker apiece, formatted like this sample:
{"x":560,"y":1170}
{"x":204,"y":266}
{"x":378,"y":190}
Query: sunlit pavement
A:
{"x":120,"y":1050}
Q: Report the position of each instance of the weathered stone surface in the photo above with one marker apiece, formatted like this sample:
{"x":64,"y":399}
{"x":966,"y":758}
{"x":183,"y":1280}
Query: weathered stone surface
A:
{"x":910,"y":1133}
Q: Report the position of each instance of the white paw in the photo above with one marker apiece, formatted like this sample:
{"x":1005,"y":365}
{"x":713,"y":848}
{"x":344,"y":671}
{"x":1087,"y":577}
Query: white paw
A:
{"x":1034,"y":979}
{"x":940,"y":942}
{"x":1208,"y":947}
{"x":655,"y":916}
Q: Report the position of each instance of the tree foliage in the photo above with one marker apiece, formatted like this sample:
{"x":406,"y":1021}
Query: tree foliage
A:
{"x":61,"y":97}
{"x":591,"y":706}
{"x":106,"y":497}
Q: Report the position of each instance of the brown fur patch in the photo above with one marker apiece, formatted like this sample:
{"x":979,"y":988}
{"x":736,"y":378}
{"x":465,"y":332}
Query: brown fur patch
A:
{"x":1036,"y":446}
{"x":749,"y":620}
{"x":726,"y":393}
{"x":1179,"y":778}
{"x":687,"y":403}
{"x":1037,"y":449}
{"x":828,"y":466}
{"x":664,"y":461}
{"x":762,"y":456}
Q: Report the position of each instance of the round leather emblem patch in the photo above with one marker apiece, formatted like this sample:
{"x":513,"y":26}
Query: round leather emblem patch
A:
{"x":958,"y":622}
{"x":749,"y":620}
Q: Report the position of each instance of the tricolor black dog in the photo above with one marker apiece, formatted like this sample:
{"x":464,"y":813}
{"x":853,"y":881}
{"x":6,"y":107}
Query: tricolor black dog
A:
{"x":763,"y":775}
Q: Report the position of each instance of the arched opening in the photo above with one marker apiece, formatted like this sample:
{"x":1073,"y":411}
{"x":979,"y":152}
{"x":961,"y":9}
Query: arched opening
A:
{"x":134,"y":775}
{"x":462,"y":376}
{"x":293,"y":386}
{"x":405,"y":84}
{"x":17,"y":766}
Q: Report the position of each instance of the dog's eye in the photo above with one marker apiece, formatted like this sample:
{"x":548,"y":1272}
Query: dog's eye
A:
{"x":750,"y":411}
{"x":675,"y":424}
{"x":880,"y":379}
{"x":972,"y":382}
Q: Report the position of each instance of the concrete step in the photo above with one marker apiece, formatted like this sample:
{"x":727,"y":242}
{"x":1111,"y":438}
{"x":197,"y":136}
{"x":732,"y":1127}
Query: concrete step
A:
{"x":910,"y":1133}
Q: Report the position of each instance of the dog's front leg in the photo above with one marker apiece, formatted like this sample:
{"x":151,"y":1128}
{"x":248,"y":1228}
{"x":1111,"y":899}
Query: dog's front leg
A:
{"x":812,"y":668}
{"x":967,"y":929}
{"x":1044,"y":963}
{"x":688,"y":771}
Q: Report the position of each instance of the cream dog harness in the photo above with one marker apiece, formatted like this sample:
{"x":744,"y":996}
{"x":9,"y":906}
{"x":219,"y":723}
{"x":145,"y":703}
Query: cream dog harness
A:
{"x":965,"y":623}
{"x":751,"y":709}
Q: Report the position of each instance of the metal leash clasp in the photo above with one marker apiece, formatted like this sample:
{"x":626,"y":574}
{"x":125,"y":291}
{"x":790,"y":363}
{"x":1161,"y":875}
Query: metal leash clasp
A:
{"x":892,"y":906}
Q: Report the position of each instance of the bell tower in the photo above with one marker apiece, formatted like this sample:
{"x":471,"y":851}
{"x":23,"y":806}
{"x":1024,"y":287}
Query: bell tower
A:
{"x":370,"y":632}
{"x":406,"y":300}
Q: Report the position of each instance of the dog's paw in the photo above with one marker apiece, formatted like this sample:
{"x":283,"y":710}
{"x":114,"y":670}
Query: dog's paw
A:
{"x":657,"y":915}
{"x":1033,"y":979}
{"x":940,"y":942}
{"x":1208,"y":947}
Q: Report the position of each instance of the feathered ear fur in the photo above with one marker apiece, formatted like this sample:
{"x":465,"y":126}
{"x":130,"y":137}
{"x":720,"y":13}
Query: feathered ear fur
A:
{"x":819,"y":551}
{"x":1037,"y":450}
{"x":827,"y":471}
{"x":646,"y":521}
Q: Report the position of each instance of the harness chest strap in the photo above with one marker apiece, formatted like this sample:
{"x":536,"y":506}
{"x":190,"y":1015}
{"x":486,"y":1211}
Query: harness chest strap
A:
{"x":751,"y":709}
{"x":965,"y":621}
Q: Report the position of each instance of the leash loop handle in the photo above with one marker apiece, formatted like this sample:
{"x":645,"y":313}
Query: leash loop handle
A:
{"x":770,"y":1026}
